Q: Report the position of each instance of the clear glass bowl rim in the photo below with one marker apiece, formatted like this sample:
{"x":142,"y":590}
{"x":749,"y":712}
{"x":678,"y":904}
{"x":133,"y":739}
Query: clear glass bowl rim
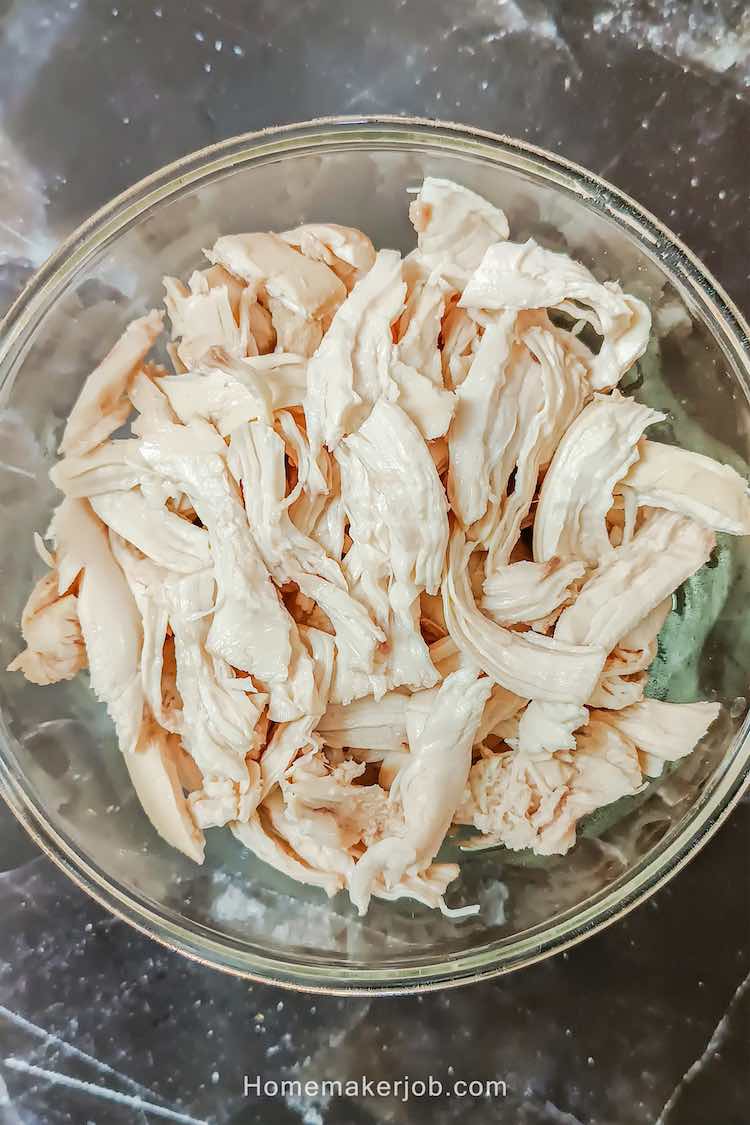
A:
{"x":725,"y":787}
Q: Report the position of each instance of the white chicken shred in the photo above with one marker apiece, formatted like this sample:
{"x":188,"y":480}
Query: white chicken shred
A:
{"x":679,"y":480}
{"x":595,"y":453}
{"x":387,"y":555}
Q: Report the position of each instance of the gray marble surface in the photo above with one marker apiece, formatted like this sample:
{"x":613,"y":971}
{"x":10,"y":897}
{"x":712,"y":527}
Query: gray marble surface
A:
{"x":648,"y":1022}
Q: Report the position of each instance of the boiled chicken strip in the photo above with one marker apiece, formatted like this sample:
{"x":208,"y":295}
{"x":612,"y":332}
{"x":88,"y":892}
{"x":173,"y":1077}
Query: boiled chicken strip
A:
{"x":257,"y":458}
{"x":518,"y":801}
{"x":315,"y":836}
{"x":250,"y":628}
{"x":227,"y":391}
{"x":107,"y":468}
{"x":501,"y":707}
{"x":403,"y":511}
{"x":429,"y":789}
{"x":327,"y":818}
{"x":399,"y":528}
{"x":526,"y":276}
{"x":461,"y":335}
{"x":278,"y":380}
{"x":368,"y":724}
{"x":294,"y":332}
{"x":152,"y":405}
{"x":299,"y":294}
{"x":634,"y":579}
{"x":147,"y":583}
{"x":526,"y":801}
{"x":662,"y":732}
{"x":455,"y":227}
{"x":169,"y":540}
{"x":529,"y":591}
{"x":545,"y":728}
{"x":206,"y":314}
{"x":387,"y":725}
{"x":715,"y":495}
{"x":418,"y":364}
{"x":352,"y":368}
{"x":220,"y":710}
{"x":363,"y":811}
{"x":227,"y":397}
{"x":218,"y":715}
{"x":428,"y":887}
{"x":313,"y":473}
{"x":481,"y":428}
{"x":50,"y":627}
{"x":102,"y":405}
{"x":284,"y":375}
{"x":270,"y":266}
{"x":291,"y":738}
{"x":625,"y":674}
{"x":430,"y":407}
{"x":420,"y":324}
{"x":109,"y":618}
{"x":258,"y":835}
{"x":593,"y":455}
{"x":154,"y":772}
{"x":557,"y":388}
{"x":527,"y":664}
{"x":347,"y":251}
{"x":220,"y":800}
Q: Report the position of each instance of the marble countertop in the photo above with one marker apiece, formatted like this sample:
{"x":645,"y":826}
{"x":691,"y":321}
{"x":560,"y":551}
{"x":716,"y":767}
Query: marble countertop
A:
{"x":648,"y":1022}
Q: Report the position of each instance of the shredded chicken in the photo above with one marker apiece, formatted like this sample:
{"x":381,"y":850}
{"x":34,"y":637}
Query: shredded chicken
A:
{"x":662,"y":732}
{"x":352,"y":368}
{"x":103,"y":406}
{"x":634,"y":579}
{"x":526,"y":276}
{"x":594,"y":454}
{"x":691,"y":484}
{"x":429,"y":788}
{"x":455,"y":227}
{"x":528,"y":664}
{"x":348,"y":251}
{"x":529,"y":591}
{"x":387,"y":554}
{"x":49,"y":624}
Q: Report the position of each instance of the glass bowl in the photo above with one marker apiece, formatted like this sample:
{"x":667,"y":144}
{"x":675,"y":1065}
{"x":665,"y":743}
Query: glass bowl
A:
{"x":60,"y":769}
